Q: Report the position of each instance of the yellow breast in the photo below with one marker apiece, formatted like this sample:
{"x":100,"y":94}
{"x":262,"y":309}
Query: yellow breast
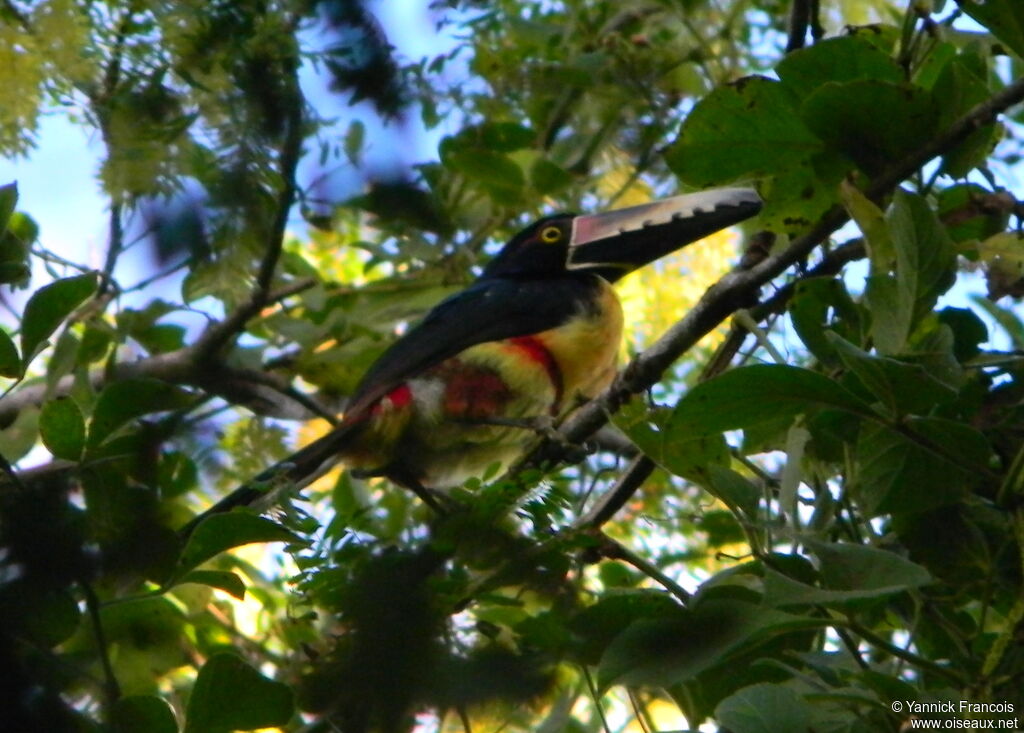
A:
{"x":587,"y":346}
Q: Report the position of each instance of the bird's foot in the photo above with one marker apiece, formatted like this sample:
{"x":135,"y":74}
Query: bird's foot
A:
{"x":437,"y":500}
{"x":546,"y":427}
{"x":543,"y":425}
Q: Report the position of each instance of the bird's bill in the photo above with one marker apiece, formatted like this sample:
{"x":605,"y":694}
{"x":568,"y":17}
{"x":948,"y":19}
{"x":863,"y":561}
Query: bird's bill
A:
{"x":623,"y":240}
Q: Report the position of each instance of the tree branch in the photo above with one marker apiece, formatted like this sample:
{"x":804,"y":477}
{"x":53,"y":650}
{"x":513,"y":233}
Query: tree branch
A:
{"x":221,"y":334}
{"x":831,"y":264}
{"x":606,"y":506}
{"x":799,"y":20}
{"x":741,"y":286}
{"x":731,"y":293}
{"x":184,"y":366}
{"x":736,"y":290}
{"x":115,"y":245}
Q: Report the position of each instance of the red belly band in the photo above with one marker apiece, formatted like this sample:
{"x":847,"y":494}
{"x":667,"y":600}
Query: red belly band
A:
{"x":400,"y":396}
{"x":535,"y":350}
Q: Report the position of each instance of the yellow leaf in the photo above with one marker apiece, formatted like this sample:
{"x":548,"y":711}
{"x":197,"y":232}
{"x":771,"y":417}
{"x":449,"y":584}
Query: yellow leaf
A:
{"x":656,"y":296}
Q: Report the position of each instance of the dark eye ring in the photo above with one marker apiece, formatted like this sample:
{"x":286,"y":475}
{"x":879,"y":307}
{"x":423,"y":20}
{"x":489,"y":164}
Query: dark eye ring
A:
{"x":551,"y":235}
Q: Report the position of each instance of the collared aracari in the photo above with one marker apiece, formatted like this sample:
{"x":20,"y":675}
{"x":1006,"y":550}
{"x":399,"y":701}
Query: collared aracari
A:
{"x":535,"y":335}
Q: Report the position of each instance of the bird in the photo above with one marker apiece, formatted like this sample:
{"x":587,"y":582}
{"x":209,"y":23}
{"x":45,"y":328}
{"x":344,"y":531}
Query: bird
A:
{"x":461,"y":394}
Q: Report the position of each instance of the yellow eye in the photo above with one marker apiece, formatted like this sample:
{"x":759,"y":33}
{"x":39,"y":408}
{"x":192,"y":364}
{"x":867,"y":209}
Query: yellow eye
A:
{"x":550,"y":235}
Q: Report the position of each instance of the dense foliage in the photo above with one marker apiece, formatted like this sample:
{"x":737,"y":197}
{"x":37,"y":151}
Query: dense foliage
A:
{"x":817,"y":523}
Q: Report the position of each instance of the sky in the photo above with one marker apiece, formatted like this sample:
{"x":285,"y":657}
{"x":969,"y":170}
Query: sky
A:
{"x":57,"y":182}
{"x":58,"y":186}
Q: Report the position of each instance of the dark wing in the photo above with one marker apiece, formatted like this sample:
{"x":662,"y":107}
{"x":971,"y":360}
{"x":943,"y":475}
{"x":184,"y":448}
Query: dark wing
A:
{"x":488,"y":310}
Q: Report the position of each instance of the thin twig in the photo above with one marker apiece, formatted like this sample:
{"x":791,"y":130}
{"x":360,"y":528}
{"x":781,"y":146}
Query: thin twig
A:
{"x":732,"y":293}
{"x":638,"y":471}
{"x":115,"y":245}
{"x":617,"y":551}
{"x":799,"y":20}
{"x":851,"y":647}
{"x":112,"y":690}
{"x":221,"y":334}
{"x":899,"y":652}
{"x":739,"y":287}
{"x":639,"y":711}
{"x":641,"y":466}
{"x":597,"y":699}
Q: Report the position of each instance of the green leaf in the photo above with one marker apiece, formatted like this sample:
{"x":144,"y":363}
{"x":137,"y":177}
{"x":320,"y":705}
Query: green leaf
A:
{"x":903,"y":388}
{"x":848,"y":58}
{"x":18,"y":438}
{"x":354,"y":142}
{"x":221,"y":532}
{"x":721,"y":528}
{"x":895,"y":474}
{"x":225,"y":580}
{"x":745,"y":397}
{"x":125,"y":400}
{"x":667,"y":651}
{"x":8,"y":201}
{"x":763,"y":708}
{"x":42,"y":616}
{"x":800,"y":193}
{"x":961,"y":86}
{"x":1002,"y":17}
{"x":925,"y":269}
{"x":734,"y":490}
{"x":891,"y":323}
{"x":925,"y":254}
{"x":597,"y":625}
{"x":504,"y":137}
{"x":845,"y":116}
{"x":1005,"y":317}
{"x":957,"y":441}
{"x":856,"y":567}
{"x":743,"y":130}
{"x":871,"y":221}
{"x":967,"y":556}
{"x":681,"y":454}
{"x":47,"y":309}
{"x":497,"y":173}
{"x":848,"y":572}
{"x":62,"y":428}
{"x":548,"y":178}
{"x":231,"y":695}
{"x":969,"y":331}
{"x":812,"y":302}
{"x":142,"y":713}
{"x":10,"y":361}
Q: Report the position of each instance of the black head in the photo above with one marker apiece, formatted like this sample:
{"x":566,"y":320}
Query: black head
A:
{"x":542,"y":249}
{"x":615,"y":243}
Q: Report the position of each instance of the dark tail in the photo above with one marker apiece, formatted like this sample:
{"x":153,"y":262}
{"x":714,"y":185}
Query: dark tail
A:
{"x":295,"y":471}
